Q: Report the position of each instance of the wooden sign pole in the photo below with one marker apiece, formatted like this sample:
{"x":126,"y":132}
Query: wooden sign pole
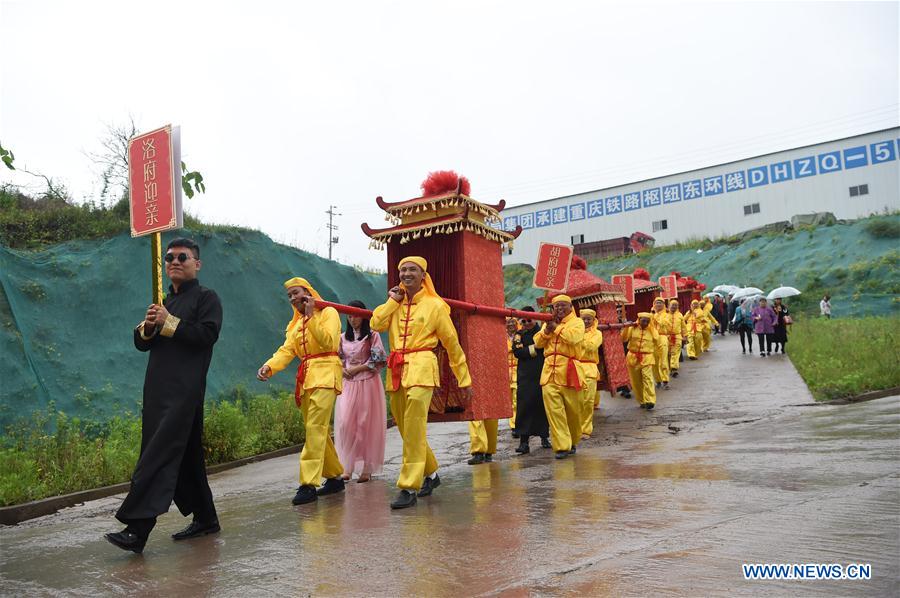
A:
{"x":156,"y":267}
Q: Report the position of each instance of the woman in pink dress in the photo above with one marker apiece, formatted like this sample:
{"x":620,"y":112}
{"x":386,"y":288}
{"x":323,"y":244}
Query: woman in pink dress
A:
{"x":359,"y":415}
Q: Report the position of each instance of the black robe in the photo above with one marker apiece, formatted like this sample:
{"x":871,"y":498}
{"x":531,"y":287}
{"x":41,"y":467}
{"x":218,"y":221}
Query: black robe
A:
{"x":531,"y":419}
{"x":780,"y":335}
{"x":171,"y":465}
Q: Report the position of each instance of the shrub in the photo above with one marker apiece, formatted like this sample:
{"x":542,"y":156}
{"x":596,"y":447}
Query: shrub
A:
{"x":883,"y":228}
{"x":52,"y":454}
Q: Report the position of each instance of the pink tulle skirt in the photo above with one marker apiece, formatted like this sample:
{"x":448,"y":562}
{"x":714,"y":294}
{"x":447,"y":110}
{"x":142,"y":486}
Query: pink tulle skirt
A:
{"x":360,"y":426}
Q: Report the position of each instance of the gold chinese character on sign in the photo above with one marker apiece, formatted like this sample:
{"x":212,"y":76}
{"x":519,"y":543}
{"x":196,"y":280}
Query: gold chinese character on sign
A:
{"x":150,"y":192}
{"x":149,"y":152}
{"x":150,"y":171}
{"x":554,"y":251}
{"x":152,"y":213}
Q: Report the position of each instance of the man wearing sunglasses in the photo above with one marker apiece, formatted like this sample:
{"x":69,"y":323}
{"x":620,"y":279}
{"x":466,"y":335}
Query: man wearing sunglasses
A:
{"x":179,"y":335}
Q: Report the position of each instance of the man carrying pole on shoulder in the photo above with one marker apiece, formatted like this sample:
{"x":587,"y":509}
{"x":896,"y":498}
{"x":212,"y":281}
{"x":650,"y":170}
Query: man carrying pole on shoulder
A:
{"x":314,"y":336}
{"x":416,"y":319}
{"x":561,"y":378}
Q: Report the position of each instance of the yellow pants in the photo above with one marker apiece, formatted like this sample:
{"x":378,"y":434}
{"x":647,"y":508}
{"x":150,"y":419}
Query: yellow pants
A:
{"x":590,"y":394}
{"x":706,"y":337}
{"x":674,"y":355}
{"x":318,"y":458}
{"x":642,"y":383}
{"x":661,"y":357}
{"x":483,"y":436}
{"x":409,"y":407}
{"x":694,"y":348}
{"x":563,"y":408}
{"x":512,"y":420}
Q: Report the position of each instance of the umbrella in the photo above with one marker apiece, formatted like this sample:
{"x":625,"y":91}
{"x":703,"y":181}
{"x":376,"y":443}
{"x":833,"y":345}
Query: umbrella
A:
{"x":750,"y":302}
{"x":725,"y":289}
{"x":782,"y":292}
{"x":746,"y":292}
{"x":716,"y":293}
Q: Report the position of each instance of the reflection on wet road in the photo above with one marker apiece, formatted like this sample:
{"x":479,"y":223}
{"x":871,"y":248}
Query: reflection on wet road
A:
{"x":669,"y":502}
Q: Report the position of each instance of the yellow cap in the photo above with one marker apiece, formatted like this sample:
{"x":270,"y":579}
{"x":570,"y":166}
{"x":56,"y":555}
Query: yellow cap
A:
{"x":587,"y":312}
{"x":561,"y":299}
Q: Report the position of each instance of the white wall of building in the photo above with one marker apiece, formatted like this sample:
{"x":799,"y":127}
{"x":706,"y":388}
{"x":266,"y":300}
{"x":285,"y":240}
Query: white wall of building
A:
{"x":814,"y":178}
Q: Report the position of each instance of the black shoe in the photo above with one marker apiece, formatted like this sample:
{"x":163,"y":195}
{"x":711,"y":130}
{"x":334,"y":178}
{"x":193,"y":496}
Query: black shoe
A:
{"x":127,"y":541}
{"x":488,"y":458}
{"x":650,"y":406}
{"x":523,"y":448}
{"x":477,"y":459}
{"x":675,"y":374}
{"x":197,"y":529}
{"x":515,"y":434}
{"x":545,"y":443}
{"x":744,"y":351}
{"x":572,"y":450}
{"x":561,"y":454}
{"x":762,"y":354}
{"x":665,"y":386}
{"x":428,"y":485}
{"x":692,"y":358}
{"x":406,"y":498}
{"x":304,"y":495}
{"x":331,"y":486}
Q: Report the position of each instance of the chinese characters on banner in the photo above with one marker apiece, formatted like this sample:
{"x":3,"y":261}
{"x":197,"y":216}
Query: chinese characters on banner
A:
{"x":669,"y":287}
{"x":154,"y":182}
{"x":627,"y":282}
{"x":551,"y":272}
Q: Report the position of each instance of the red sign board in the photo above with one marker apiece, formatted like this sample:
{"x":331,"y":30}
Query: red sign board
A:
{"x":669,"y":287}
{"x":154,"y":182}
{"x":627,"y":282}
{"x":554,"y":262}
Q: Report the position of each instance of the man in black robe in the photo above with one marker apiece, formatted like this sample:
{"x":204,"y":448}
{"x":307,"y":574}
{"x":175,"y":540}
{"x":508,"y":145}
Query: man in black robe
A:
{"x":531,"y":419}
{"x":179,"y":335}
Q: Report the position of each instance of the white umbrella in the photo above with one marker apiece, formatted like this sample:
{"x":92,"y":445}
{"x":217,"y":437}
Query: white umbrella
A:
{"x":725,"y":289}
{"x":782,"y":292}
{"x":750,"y":302}
{"x":716,"y":293}
{"x":746,"y":292}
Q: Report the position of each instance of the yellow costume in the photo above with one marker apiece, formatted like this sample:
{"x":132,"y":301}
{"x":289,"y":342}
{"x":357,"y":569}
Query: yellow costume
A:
{"x":561,"y":378}
{"x":315,"y":340}
{"x":694,"y":320}
{"x":642,"y":343}
{"x":513,"y":367}
{"x":674,"y":326}
{"x":589,"y":358}
{"x":706,"y":333}
{"x":415,"y":325}
{"x":661,"y":355}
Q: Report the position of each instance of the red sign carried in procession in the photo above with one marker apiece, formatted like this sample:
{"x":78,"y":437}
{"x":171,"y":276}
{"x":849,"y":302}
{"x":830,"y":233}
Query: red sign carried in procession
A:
{"x":154,"y":182}
{"x":627,"y":282}
{"x":554,"y":262}
{"x":669,"y":287}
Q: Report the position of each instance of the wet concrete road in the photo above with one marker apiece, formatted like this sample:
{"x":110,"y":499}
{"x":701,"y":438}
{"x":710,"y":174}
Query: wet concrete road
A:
{"x":731,"y":468}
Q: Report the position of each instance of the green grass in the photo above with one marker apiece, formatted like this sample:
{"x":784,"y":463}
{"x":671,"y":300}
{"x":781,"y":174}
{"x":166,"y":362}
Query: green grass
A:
{"x":845,"y":357}
{"x":78,"y":455}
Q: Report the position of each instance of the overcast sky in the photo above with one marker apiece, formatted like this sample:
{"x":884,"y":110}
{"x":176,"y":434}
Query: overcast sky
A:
{"x":287,"y":107}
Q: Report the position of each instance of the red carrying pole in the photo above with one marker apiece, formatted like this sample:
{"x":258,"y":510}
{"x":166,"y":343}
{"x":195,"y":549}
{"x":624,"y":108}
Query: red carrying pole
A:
{"x":472,"y":308}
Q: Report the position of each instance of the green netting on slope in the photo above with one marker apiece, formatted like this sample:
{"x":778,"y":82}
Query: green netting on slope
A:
{"x":67,"y":314}
{"x":860,"y":271}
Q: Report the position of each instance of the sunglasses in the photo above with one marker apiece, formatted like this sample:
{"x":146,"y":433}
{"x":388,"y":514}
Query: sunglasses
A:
{"x":181,"y":257}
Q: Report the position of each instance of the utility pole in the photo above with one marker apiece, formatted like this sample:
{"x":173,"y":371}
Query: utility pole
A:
{"x":332,"y":228}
